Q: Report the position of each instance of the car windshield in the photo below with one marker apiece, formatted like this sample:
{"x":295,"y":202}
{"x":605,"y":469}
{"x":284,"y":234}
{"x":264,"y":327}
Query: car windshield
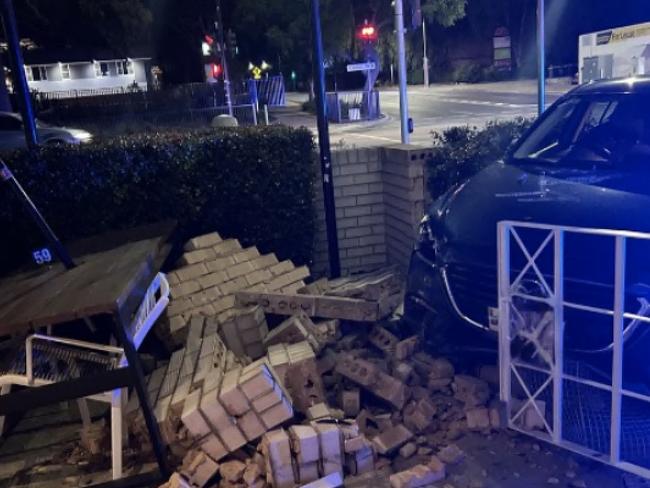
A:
{"x":590,"y":131}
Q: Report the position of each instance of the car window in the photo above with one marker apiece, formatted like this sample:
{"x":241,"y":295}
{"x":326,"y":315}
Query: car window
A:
{"x":589,"y":130}
{"x":9,"y":123}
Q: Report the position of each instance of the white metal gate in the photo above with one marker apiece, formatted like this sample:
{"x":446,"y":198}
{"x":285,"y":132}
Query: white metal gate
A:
{"x":547,"y":393}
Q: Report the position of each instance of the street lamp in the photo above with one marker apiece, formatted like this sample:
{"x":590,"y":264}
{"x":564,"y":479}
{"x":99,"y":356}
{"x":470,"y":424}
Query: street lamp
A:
{"x":541,"y":58}
{"x":324,"y":143}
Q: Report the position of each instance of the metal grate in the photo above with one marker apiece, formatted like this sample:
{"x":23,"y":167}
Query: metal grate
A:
{"x":593,"y":406}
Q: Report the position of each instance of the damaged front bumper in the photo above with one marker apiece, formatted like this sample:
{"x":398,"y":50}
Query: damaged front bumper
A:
{"x":425,"y":294}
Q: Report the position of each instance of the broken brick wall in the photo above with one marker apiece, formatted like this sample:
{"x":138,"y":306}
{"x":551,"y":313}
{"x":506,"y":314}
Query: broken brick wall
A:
{"x":379,"y":195}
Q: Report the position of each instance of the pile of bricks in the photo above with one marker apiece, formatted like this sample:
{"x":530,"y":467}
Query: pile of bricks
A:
{"x":211,"y":271}
{"x":244,"y":404}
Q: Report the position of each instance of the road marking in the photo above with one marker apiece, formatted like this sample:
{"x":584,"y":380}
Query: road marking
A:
{"x":485,"y":103}
{"x":377,"y":138}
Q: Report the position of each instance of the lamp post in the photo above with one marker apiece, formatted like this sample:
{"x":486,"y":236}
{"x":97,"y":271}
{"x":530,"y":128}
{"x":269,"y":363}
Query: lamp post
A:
{"x":541,"y":58}
{"x":324,"y":142}
{"x":18,"y":72}
{"x":425,"y":59}
{"x":401,"y":57}
{"x":224,"y":62}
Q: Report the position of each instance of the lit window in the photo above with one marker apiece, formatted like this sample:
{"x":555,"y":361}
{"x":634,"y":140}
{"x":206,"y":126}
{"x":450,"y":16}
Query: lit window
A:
{"x":129,"y":67}
{"x":28,"y":73}
{"x":65,"y":71}
{"x":120,"y":67}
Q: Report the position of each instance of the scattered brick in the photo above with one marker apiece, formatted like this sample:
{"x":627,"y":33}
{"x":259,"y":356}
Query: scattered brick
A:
{"x":392,"y":439}
{"x":473,"y":392}
{"x":351,"y":402}
{"x":478,"y":419}
{"x":406,"y":348}
{"x":383,"y":339}
{"x":419,"y":476}
{"x":407,"y":450}
{"x":451,"y":454}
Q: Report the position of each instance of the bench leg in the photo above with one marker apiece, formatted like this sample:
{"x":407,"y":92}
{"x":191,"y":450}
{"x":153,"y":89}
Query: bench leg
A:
{"x":4,"y":390}
{"x":84,"y":412}
{"x":116,"y":433}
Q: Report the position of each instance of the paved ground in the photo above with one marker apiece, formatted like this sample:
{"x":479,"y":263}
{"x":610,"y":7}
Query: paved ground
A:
{"x":433,"y":108}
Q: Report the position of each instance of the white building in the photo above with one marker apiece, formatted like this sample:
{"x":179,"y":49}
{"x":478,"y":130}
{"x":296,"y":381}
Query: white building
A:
{"x":615,"y":53}
{"x":69,"y":75}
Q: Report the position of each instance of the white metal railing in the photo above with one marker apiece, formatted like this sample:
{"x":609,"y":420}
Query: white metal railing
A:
{"x":544,"y":334}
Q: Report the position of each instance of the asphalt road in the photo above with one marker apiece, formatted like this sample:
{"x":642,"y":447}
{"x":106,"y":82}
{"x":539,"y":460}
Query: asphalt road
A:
{"x":433,"y":108}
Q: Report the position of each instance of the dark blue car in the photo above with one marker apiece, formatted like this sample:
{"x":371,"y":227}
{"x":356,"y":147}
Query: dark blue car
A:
{"x":584,"y":163}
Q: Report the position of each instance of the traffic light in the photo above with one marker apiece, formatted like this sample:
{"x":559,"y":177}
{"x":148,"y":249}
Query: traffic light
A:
{"x":217,"y":70}
{"x":368,"y":32}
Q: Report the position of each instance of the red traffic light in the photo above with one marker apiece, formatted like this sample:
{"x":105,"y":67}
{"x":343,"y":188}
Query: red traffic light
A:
{"x":217,"y":70}
{"x":368,"y":32}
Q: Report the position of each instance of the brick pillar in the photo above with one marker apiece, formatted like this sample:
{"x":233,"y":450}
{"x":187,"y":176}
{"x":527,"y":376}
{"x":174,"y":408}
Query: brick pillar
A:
{"x":404,"y":199}
{"x":358,"y":193}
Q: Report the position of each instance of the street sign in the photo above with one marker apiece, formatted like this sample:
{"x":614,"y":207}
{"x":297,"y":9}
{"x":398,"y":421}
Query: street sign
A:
{"x":361,"y":67}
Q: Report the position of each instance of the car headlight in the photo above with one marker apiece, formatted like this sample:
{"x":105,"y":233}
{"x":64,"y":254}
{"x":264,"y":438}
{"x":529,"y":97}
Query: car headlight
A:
{"x":85,"y":137}
{"x":426,"y":235}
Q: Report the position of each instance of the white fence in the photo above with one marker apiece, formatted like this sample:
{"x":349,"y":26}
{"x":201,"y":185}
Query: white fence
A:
{"x":587,"y":402}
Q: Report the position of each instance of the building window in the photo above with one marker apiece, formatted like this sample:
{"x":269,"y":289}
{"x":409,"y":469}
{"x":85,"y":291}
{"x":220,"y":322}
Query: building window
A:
{"x":28,"y":73}
{"x":65,"y":71}
{"x":124,"y":67}
{"x":39,"y":73}
{"x":101,"y":69}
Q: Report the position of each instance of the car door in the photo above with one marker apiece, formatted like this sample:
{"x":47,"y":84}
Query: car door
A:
{"x":11,"y":133}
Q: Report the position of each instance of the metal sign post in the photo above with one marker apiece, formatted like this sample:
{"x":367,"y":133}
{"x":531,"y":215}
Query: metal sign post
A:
{"x":401,"y":57}
{"x":224,"y":61}
{"x":324,"y":143}
{"x":541,"y":58}
{"x":425,"y":59}
{"x":57,"y":246}
{"x":18,"y":72}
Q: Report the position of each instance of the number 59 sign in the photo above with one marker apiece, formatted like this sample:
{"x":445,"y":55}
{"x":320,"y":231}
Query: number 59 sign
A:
{"x":42,"y":256}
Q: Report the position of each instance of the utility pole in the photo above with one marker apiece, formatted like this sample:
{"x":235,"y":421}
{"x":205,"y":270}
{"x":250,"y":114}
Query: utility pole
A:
{"x":18,"y":72}
{"x":401,"y":57}
{"x":224,"y":62}
{"x":324,"y":142}
{"x":541,"y":58}
{"x":425,"y":59}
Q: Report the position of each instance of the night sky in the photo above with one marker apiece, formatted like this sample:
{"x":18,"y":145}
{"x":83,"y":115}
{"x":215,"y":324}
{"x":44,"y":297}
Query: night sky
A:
{"x":175,"y":36}
{"x":567,"y":19}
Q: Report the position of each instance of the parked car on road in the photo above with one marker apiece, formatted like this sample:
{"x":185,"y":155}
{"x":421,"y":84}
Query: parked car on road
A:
{"x":12,"y":135}
{"x":584,"y":163}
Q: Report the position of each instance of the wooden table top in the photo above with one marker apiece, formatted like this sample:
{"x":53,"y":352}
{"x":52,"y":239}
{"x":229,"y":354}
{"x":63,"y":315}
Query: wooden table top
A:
{"x":101,"y":283}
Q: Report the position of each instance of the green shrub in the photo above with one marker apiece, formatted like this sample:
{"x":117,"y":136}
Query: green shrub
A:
{"x":255,"y":184}
{"x":461,"y":152}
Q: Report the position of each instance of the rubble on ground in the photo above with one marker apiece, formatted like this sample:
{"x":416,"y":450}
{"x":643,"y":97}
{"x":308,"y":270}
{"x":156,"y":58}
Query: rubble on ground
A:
{"x":274,"y":382}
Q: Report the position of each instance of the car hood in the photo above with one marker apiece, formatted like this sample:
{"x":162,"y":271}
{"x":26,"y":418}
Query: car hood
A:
{"x":468,"y":215}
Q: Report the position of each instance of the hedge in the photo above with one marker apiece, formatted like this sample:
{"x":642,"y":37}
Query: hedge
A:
{"x":255,"y":184}
{"x":461,"y":152}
